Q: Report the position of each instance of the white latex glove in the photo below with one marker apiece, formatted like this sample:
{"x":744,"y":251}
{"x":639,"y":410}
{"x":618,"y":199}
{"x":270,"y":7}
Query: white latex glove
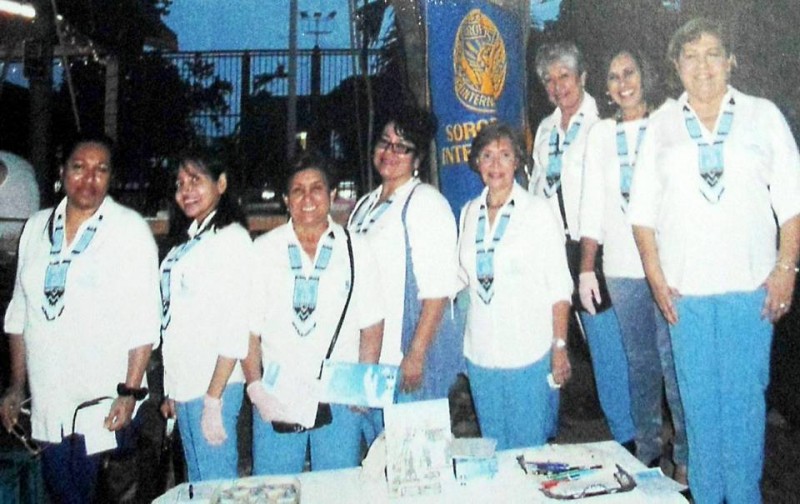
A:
{"x":211,"y":421}
{"x":267,"y":406}
{"x":589,"y":290}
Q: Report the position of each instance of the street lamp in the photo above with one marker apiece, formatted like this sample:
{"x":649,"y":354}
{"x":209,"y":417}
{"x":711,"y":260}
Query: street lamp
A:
{"x":315,"y":24}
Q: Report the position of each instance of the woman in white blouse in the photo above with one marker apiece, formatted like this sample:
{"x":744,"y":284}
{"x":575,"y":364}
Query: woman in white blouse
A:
{"x":205,"y":286}
{"x":412,"y":231}
{"x":557,"y":176}
{"x":718,"y":175}
{"x":611,"y":152}
{"x":81,"y":322}
{"x":319,"y":293}
{"x":511,"y":256}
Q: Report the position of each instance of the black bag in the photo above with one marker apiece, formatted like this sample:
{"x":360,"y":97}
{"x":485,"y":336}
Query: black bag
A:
{"x":574,"y":263}
{"x":324,"y":417}
{"x":324,"y":413}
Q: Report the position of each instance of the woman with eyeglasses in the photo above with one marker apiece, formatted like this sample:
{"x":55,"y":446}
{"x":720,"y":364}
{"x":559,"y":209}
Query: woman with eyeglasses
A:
{"x":81,"y":322}
{"x":511,"y":254}
{"x":205,"y":288}
{"x":319,"y":298}
{"x":715,"y":208}
{"x":412,"y":232}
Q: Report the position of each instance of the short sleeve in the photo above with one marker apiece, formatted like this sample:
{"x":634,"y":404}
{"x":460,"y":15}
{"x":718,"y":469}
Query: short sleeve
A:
{"x":432,"y":236}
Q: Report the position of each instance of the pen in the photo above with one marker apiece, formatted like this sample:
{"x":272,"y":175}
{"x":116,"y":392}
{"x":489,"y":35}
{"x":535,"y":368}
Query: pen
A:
{"x":572,"y":475}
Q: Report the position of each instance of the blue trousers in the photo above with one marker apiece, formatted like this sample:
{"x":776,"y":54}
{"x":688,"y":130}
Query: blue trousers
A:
{"x":513,"y":405}
{"x":651,"y":368}
{"x":722,"y":352}
{"x":204,"y":461}
{"x":610,"y":371}
{"x":334,"y":446}
{"x":372,"y":424}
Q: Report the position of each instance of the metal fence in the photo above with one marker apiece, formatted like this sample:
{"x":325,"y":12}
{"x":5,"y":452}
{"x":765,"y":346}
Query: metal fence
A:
{"x":319,"y":71}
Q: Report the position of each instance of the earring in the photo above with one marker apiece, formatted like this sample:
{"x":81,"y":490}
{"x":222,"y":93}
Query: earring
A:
{"x":416,"y":173}
{"x":57,"y":186}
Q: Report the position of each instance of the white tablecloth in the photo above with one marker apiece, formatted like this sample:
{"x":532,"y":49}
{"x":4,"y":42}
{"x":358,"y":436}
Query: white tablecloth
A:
{"x":509,"y":485}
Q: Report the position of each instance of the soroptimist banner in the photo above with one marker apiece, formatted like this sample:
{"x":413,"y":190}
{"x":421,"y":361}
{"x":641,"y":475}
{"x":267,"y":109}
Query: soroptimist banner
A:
{"x":476,"y":59}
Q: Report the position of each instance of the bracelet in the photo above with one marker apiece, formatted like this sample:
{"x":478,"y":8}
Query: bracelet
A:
{"x":787,"y":267}
{"x":559,"y":342}
{"x":126,"y":391}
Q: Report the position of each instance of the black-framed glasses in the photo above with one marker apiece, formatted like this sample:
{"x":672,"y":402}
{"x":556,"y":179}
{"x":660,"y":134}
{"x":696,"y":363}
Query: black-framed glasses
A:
{"x":396,"y":147}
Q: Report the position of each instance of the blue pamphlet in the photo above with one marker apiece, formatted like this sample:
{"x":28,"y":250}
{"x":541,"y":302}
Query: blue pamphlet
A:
{"x":358,"y":384}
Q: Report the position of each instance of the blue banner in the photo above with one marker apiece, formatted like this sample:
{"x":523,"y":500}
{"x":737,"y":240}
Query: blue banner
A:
{"x":476,"y":63}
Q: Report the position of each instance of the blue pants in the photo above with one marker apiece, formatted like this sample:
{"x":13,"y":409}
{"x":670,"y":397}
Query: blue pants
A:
{"x":651,"y":368}
{"x":334,"y":446}
{"x":513,"y":405}
{"x":372,"y":425}
{"x":722,"y":351}
{"x":610,"y":367}
{"x":204,"y":461}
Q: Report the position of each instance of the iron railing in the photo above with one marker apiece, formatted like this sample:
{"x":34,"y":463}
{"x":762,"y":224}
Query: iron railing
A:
{"x":265,"y":71}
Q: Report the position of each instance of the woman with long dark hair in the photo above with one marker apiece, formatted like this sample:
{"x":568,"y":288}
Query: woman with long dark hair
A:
{"x":204,"y":323}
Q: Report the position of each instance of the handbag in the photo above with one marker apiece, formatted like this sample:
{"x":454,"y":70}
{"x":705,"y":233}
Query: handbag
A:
{"x":324,"y":413}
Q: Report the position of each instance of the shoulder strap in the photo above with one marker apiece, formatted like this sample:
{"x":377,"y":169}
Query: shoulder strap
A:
{"x":349,"y":295}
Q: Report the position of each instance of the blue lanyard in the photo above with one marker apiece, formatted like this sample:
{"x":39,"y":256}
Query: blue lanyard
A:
{"x":55,"y":276}
{"x":306,"y":289}
{"x":555,"y":154}
{"x":365,"y":219}
{"x":711,"y":158}
{"x":626,"y":163}
{"x":174,"y":255}
{"x":484,"y":256}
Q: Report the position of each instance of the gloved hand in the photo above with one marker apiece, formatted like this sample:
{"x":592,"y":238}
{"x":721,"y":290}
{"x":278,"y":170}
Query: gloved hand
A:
{"x":211,"y":421}
{"x":589,"y":290}
{"x":267,"y":406}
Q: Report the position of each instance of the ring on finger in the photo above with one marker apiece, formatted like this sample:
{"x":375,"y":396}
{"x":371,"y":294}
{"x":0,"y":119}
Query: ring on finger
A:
{"x":782,"y":306}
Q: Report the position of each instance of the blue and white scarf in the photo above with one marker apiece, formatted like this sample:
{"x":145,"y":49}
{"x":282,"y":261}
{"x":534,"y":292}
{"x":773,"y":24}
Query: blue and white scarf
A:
{"x":306,"y":289}
{"x":484,"y":254}
{"x":555,"y":153}
{"x":711,"y":158}
{"x":172,"y":258}
{"x":363,"y":220}
{"x":55,"y":277}
{"x":626,"y":162}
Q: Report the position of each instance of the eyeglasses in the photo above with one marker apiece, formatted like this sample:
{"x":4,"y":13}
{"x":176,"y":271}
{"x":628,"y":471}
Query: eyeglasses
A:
{"x":22,"y":435}
{"x":397,"y":148}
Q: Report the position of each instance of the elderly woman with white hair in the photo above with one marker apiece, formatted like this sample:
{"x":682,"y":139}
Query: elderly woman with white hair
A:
{"x":558,"y":154}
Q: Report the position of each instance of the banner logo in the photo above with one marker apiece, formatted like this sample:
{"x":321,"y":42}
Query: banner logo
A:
{"x":479,"y":63}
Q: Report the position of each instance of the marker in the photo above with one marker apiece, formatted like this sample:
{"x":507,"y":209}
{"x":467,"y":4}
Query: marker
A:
{"x":191,"y":492}
{"x":572,"y":475}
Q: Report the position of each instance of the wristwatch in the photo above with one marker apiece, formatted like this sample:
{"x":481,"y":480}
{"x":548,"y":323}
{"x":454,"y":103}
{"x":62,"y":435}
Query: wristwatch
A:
{"x":126,"y":391}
